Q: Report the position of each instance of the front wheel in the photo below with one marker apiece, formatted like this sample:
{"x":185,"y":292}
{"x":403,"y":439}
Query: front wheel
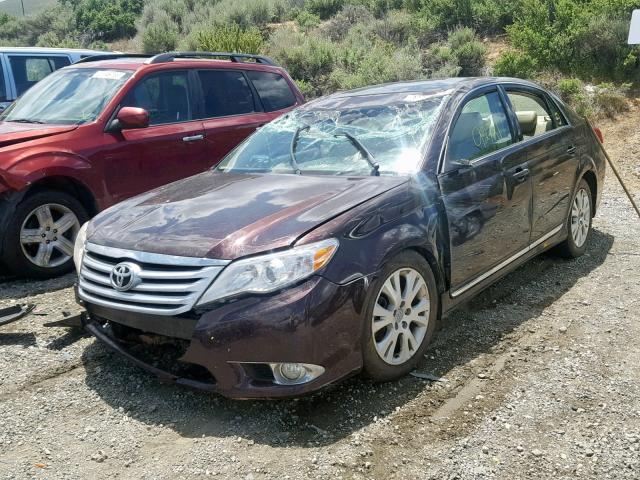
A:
{"x":40,"y":236}
{"x":400,"y":318}
{"x":578,"y":223}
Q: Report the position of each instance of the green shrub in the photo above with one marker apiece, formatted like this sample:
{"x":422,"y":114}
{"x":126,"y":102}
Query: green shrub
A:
{"x":515,"y":64}
{"x":307,"y":20}
{"x":568,"y":88}
{"x":230,"y":38}
{"x":610,"y":100}
{"x":160,"y":36}
{"x":338,"y":26}
{"x":324,"y":8}
{"x":461,"y":54}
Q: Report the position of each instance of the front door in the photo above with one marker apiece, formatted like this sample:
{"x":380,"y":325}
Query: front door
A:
{"x":551,"y":155}
{"x":170,"y":148}
{"x":486,"y":191}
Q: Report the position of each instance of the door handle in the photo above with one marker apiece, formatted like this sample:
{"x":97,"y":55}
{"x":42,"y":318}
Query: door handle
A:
{"x":193,"y":138}
{"x":572,"y":149}
{"x":521,"y":174}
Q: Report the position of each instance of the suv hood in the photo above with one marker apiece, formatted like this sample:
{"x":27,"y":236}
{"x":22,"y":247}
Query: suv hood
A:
{"x":226,"y":215}
{"x":12,"y":132}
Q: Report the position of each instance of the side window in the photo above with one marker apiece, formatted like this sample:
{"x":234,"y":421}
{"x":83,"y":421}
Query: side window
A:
{"x":225,"y":93}
{"x":273,"y":89}
{"x":481,"y":128}
{"x":532,"y":112}
{"x":29,"y":70}
{"x":164,"y":95}
{"x":558,"y":117}
{"x":3,"y":87}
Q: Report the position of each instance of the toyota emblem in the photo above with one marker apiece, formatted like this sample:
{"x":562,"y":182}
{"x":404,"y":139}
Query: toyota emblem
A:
{"x":124,"y":276}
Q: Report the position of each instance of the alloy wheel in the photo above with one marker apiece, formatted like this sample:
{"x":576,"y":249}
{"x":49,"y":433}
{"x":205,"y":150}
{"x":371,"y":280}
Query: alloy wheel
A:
{"x":47,"y":235}
{"x":400,"y":316}
{"x":580,"y":217}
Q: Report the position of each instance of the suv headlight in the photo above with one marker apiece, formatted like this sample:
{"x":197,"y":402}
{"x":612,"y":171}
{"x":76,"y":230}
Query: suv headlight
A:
{"x":268,"y":273}
{"x":78,"y":249}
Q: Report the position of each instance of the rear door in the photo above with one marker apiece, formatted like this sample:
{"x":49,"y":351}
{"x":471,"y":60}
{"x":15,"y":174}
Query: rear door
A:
{"x":486,"y":190}
{"x":551,"y":155}
{"x":234,"y":103}
{"x":170,"y":148}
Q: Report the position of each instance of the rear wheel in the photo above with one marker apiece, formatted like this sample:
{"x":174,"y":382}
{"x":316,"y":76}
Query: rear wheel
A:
{"x":578,"y":223}
{"x":41,"y":233}
{"x":400,"y":318}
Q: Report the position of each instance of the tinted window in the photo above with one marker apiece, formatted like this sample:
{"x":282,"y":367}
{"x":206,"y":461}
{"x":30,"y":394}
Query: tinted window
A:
{"x":273,"y":89}
{"x":558,"y":117}
{"x":164,"y":95}
{"x":532,"y":112}
{"x":225,"y":93}
{"x":481,"y":128}
{"x":29,"y":70}
{"x":3,"y":88}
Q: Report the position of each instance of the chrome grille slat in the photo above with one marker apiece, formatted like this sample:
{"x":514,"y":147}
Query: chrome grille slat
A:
{"x":166,"y":285}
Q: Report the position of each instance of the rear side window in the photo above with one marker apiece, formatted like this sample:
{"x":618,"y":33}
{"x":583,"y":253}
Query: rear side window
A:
{"x":273,"y":89}
{"x":225,"y":93}
{"x":29,"y":70}
{"x":481,"y":128}
{"x":532,"y":112}
{"x":164,"y":95}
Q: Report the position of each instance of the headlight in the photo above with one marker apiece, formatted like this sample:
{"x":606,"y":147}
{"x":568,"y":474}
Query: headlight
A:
{"x":78,"y":249}
{"x":268,"y":273}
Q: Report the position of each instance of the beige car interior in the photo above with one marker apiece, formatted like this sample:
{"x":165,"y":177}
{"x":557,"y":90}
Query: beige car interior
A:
{"x":532,"y":124}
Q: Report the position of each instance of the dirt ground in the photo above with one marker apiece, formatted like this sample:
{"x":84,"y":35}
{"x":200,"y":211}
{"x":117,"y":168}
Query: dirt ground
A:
{"x":541,"y":380}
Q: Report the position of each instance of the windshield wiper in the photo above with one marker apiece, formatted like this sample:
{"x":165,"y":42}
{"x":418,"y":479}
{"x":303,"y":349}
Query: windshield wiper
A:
{"x":375,"y":167}
{"x":25,"y":120}
{"x":292,"y":149}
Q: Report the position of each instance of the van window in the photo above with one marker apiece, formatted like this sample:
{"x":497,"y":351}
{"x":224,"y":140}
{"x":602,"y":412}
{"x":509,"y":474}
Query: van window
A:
{"x":225,"y":93}
{"x":29,"y":70}
{"x":273,"y":89}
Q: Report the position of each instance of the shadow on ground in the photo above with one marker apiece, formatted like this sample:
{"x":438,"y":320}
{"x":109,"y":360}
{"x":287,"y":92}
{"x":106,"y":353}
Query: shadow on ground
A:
{"x":467,"y":333}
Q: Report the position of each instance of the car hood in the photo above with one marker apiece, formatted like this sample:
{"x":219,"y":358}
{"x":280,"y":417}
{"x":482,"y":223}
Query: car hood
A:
{"x":12,"y":132}
{"x":226,"y":215}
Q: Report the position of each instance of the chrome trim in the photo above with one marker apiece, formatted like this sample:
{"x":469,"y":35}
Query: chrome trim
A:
{"x":168,"y":284}
{"x":509,"y":260}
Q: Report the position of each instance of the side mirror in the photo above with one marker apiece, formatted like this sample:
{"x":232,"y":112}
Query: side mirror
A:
{"x":132,"y":117}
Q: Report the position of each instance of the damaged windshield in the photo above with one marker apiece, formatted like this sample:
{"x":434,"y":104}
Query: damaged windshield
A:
{"x":68,"y":96}
{"x":367,"y":135}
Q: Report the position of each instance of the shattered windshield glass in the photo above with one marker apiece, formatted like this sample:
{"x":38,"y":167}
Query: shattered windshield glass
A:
{"x":367,"y":135}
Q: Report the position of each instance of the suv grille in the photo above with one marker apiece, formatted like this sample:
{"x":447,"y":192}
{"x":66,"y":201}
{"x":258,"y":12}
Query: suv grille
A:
{"x":164,"y":284}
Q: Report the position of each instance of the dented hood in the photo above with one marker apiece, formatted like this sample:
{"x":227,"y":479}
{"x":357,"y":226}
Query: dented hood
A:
{"x":13,"y":132}
{"x":226,"y":215}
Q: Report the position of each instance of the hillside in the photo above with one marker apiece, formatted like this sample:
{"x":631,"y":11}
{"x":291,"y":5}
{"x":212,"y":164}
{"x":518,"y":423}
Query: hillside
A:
{"x":13,"y":7}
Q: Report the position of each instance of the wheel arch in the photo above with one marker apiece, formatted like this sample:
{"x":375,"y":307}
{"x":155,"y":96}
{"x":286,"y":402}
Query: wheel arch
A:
{"x":69,"y":185}
{"x":591,"y":179}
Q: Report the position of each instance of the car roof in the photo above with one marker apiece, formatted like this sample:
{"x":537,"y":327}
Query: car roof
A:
{"x":425,"y":87}
{"x":136,"y":63}
{"x":49,"y":50}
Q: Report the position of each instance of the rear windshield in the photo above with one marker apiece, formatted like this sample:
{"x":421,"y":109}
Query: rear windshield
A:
{"x":67,"y":96}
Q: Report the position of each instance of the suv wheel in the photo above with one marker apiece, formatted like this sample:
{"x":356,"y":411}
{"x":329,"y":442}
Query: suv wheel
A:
{"x":41,"y":234}
{"x":400,"y":318}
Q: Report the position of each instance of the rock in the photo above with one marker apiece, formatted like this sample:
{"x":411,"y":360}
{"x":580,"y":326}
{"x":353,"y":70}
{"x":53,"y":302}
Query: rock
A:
{"x":536,"y":452}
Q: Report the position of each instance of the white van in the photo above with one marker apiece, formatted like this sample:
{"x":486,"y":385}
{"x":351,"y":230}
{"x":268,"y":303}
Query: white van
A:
{"x":22,"y":67}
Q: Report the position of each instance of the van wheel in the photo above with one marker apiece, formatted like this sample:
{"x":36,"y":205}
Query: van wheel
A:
{"x":578,"y":223}
{"x":41,"y":233}
{"x":400,"y":318}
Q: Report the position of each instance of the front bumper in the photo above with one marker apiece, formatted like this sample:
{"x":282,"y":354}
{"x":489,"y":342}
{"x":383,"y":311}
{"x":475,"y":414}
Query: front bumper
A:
{"x":317,"y":322}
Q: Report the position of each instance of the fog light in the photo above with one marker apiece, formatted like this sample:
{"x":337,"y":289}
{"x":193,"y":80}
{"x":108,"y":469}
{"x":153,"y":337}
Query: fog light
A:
{"x":295,"y":373}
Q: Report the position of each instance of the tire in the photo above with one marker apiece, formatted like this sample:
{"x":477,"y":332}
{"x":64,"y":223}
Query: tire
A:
{"x":578,"y":223}
{"x":37,"y":244}
{"x":421,"y":324}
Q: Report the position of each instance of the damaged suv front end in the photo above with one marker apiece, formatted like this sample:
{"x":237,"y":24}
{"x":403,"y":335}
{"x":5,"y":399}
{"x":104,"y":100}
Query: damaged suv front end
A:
{"x":257,"y":273}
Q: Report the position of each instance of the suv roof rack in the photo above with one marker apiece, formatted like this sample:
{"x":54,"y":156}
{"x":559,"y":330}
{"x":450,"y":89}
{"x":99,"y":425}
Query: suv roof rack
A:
{"x":234,"y":57}
{"x":112,"y":56}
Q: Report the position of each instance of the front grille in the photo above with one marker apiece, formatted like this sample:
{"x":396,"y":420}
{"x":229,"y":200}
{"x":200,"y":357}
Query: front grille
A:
{"x":167,"y":285}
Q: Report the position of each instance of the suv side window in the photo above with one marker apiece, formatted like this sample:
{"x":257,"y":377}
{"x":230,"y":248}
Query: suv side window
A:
{"x":273,"y":89}
{"x":532,"y":113}
{"x":481,"y":128}
{"x":29,"y":70}
{"x":225,"y":93}
{"x":164,"y":95}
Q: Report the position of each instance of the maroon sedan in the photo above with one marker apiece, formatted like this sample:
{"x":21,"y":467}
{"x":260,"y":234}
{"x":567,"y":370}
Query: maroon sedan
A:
{"x":334,"y":238}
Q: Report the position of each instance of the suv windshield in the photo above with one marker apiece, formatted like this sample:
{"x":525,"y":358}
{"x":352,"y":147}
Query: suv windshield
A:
{"x":376,"y":134}
{"x":69,"y":96}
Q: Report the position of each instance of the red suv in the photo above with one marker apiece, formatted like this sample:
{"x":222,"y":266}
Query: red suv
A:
{"x":112,"y":126}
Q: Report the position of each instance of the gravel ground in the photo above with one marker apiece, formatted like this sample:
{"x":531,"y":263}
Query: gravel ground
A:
{"x":541,"y":379}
